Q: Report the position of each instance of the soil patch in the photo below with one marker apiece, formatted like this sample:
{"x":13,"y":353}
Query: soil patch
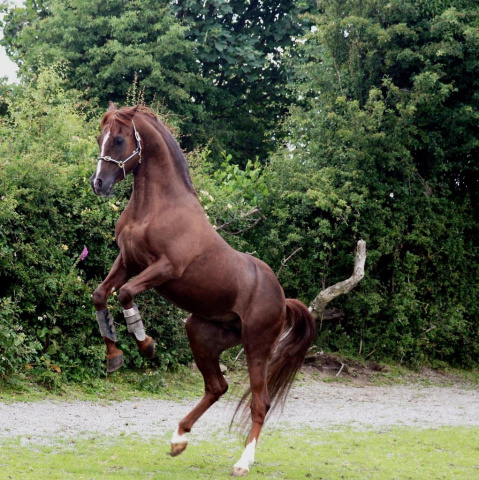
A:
{"x":330,"y":366}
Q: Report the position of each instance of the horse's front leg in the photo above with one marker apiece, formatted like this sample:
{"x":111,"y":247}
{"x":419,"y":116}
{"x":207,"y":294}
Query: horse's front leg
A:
{"x":153,"y":276}
{"x":114,"y":280}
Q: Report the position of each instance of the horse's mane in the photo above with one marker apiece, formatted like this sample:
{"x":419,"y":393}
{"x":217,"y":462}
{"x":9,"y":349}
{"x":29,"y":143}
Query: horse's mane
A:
{"x":125,"y":115}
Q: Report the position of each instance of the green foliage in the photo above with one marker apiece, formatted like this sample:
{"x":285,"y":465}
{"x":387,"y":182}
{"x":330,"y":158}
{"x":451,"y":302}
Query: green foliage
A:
{"x":217,"y":65}
{"x":16,"y":349}
{"x":387,"y":122}
{"x":106,"y":47}
{"x":381,"y":143}
{"x":240,"y":50}
{"x":230,"y":195}
{"x":43,"y":141}
{"x":48,"y":214}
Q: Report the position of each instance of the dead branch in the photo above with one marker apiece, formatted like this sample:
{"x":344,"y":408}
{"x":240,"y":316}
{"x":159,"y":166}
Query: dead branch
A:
{"x":256,"y":217}
{"x":287,"y":259}
{"x":333,"y":313}
{"x":318,"y":305}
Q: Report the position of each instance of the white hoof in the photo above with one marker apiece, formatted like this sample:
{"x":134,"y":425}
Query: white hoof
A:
{"x":242,"y":466}
{"x":178,"y":444}
{"x":239,"y":472}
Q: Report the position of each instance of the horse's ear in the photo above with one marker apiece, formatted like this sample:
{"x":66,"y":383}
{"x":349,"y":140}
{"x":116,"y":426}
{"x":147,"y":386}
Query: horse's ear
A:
{"x":132,"y":111}
{"x":111,"y":106}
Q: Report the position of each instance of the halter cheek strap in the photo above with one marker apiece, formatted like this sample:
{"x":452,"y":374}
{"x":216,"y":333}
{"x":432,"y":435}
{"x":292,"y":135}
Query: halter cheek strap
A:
{"x":121,"y":163}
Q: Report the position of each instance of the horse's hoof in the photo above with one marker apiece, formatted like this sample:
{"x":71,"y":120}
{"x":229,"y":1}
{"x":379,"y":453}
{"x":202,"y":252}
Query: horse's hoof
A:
{"x":177,"y":448}
{"x":239,"y":472}
{"x":147,"y":348}
{"x":114,"y":362}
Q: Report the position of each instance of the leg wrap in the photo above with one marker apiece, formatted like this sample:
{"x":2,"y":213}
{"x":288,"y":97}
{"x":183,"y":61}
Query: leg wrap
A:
{"x":134,"y":324}
{"x":105,"y":322}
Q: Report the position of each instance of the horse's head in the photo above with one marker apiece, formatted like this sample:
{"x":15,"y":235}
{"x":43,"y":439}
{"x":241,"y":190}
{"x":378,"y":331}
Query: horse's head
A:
{"x":120,"y":149}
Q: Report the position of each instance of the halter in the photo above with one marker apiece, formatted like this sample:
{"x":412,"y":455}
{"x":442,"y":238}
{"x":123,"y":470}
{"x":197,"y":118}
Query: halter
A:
{"x":121,"y":163}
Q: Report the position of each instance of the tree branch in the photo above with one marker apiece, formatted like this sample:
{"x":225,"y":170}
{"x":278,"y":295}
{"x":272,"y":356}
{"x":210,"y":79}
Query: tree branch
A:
{"x":253,"y":221}
{"x":318,"y":305}
{"x":286,"y":260}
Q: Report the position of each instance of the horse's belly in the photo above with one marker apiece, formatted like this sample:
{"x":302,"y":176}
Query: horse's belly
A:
{"x":203,"y":300}
{"x":224,"y":289}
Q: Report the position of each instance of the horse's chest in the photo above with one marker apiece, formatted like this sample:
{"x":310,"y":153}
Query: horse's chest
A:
{"x":136,"y":252}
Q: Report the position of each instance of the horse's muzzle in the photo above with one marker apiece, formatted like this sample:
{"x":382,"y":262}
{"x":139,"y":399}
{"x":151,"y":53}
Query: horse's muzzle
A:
{"x":99,"y":187}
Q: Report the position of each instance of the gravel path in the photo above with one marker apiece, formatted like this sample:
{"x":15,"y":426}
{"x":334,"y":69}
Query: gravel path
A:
{"x":317,"y":405}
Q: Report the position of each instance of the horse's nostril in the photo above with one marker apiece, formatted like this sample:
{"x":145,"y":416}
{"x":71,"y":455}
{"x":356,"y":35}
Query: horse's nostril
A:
{"x":98,"y":183}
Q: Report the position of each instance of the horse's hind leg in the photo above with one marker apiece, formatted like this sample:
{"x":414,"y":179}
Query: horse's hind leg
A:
{"x":259,"y":339}
{"x":208,"y":339}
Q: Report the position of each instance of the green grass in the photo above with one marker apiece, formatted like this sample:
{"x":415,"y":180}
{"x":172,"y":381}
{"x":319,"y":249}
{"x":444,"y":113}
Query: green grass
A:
{"x":122,"y":385}
{"x":399,"y":453}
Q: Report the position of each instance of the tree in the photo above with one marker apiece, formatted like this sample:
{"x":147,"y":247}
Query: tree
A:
{"x":379,"y":146}
{"x":109,"y":47}
{"x":240,"y":49}
{"x":216,"y":65}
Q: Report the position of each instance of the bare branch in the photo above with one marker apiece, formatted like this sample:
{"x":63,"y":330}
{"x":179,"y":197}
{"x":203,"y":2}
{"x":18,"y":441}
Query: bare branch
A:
{"x":287,"y":259}
{"x":254,"y":221}
{"x":331,"y":314}
{"x":318,"y":305}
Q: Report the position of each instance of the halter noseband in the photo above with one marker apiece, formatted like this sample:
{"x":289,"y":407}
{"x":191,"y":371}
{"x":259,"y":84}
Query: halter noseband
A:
{"x":121,"y":163}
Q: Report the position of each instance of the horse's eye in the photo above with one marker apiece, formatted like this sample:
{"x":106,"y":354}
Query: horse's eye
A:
{"x":119,"y":141}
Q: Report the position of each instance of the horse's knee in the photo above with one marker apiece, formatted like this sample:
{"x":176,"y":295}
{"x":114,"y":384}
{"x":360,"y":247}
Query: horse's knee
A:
{"x":99,"y":298}
{"x":125,"y":297}
{"x":217,"y":389}
{"x":223,"y":390}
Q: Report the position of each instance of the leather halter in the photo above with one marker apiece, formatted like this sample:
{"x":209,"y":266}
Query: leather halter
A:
{"x":121,"y":163}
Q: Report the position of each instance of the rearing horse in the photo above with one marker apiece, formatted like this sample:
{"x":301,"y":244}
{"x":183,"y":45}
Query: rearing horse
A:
{"x":167,"y":243}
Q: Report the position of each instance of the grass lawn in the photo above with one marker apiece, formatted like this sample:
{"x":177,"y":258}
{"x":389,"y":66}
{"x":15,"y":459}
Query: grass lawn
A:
{"x":398,"y":453}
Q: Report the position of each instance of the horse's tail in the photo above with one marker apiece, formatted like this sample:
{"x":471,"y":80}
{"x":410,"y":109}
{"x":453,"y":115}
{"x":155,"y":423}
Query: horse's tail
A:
{"x":298,"y":335}
{"x":288,"y":357}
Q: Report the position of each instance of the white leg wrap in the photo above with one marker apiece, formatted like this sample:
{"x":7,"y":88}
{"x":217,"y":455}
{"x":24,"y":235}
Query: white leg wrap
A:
{"x":105,"y":322}
{"x":134,"y":323}
{"x":247,"y":459}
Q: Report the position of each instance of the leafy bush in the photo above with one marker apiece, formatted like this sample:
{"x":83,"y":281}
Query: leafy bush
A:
{"x":230,"y":195}
{"x":16,"y":348}
{"x":381,"y":145}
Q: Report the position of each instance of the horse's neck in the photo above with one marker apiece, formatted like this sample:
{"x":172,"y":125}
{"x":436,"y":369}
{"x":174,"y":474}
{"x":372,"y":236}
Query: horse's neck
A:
{"x":158,"y":185}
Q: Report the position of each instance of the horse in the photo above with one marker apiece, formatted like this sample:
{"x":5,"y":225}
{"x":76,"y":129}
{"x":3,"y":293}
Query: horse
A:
{"x":167,"y":243}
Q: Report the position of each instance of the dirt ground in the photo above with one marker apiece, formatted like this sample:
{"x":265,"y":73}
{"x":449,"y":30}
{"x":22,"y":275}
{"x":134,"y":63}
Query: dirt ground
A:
{"x":335,"y":367}
{"x":331,"y":393}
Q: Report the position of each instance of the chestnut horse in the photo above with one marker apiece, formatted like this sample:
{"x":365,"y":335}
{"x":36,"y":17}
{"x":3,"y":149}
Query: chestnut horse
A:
{"x":167,"y":243}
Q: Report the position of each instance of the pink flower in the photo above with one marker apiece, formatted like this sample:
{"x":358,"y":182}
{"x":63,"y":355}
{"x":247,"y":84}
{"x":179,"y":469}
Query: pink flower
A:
{"x":84,"y":253}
